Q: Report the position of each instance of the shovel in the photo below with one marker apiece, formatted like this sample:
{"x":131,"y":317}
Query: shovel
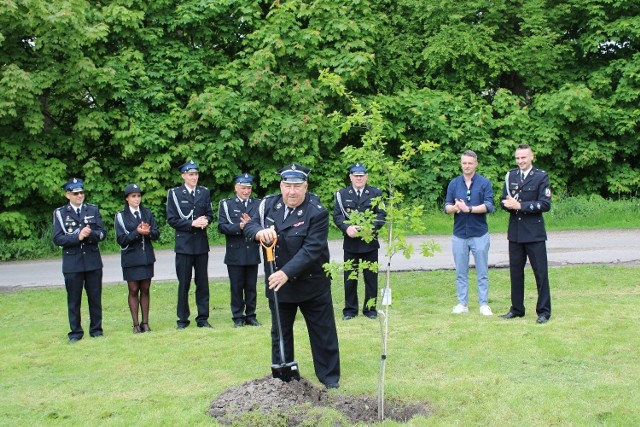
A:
{"x":283,"y":370}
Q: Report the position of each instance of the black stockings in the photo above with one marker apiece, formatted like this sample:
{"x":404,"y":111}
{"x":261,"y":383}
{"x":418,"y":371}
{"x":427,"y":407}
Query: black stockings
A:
{"x":139,"y":297}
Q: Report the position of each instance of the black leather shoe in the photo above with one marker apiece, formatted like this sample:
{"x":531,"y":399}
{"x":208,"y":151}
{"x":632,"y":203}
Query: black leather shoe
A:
{"x":348,"y":317}
{"x":238,"y":323}
{"x":510,"y":315}
{"x":204,"y":324}
{"x":252,"y":321}
{"x":181,"y":326}
{"x":542,"y":319}
{"x":372,"y":316}
{"x":74,"y":340}
{"x":332,"y":385}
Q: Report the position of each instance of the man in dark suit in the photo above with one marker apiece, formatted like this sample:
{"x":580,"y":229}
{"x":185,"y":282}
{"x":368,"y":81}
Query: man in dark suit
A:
{"x":300,"y":224}
{"x":358,"y":197}
{"x":77,"y":228}
{"x":526,"y":196}
{"x":189,"y":212}
{"x":243,"y":255}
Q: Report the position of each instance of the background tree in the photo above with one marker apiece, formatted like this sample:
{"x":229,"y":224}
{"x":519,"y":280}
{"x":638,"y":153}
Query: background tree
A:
{"x":118,"y":91}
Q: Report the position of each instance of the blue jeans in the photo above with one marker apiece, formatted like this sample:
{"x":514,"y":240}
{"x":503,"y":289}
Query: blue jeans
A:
{"x":479,"y":246}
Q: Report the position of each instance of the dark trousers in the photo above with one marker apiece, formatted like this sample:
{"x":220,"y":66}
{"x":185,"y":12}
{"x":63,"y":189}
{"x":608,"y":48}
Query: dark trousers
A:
{"x":351,"y":285}
{"x":91,"y":281}
{"x":321,"y":324}
{"x":537,"y":254}
{"x":242,"y":280}
{"x":185,"y":264}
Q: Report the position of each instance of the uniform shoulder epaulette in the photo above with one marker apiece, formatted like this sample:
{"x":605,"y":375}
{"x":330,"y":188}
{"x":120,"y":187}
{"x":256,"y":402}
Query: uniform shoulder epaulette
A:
{"x":91,"y":204}
{"x":314,"y":200}
{"x":267,"y":197}
{"x":514,"y":169}
{"x":202,"y":186}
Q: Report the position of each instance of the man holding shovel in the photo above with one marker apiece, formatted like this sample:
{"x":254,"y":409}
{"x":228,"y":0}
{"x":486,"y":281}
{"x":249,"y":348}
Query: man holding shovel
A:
{"x":299,"y":224}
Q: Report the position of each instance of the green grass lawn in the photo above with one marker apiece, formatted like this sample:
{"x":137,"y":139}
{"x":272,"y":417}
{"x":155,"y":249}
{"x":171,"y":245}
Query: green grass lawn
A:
{"x":580,"y":369}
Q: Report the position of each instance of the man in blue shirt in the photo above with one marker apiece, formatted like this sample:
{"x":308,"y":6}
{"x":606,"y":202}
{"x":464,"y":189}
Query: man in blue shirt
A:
{"x":469,"y":198}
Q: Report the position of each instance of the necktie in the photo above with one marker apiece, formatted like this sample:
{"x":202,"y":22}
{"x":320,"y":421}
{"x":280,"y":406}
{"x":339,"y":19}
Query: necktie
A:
{"x":78,"y":211}
{"x":287,"y":211}
{"x":137,"y":215}
{"x":193,"y":194}
{"x":359,"y":193}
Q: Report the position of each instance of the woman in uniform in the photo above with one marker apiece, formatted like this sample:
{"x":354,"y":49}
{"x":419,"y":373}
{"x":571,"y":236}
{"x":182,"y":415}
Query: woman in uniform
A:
{"x":135,"y":229}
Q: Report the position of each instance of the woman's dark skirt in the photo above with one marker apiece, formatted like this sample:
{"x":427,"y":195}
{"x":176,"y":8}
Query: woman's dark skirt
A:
{"x":139,"y":272}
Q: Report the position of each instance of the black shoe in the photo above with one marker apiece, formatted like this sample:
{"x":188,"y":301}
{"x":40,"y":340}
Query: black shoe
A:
{"x":511,"y":315}
{"x":136,"y":329}
{"x":204,"y":324}
{"x":348,"y":317}
{"x":252,"y":321}
{"x":372,"y":316}
{"x":238,"y":323}
{"x":332,"y":385}
{"x":98,"y":335}
{"x":74,"y":340}
{"x":542,"y":319}
{"x":181,"y":326}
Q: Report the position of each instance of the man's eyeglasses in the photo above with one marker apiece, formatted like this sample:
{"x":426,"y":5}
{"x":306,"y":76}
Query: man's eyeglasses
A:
{"x":468,"y":195}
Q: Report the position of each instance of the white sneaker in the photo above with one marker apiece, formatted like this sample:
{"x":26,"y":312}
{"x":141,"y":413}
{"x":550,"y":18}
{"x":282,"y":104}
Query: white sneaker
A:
{"x":485,"y":310}
{"x":460,"y":309}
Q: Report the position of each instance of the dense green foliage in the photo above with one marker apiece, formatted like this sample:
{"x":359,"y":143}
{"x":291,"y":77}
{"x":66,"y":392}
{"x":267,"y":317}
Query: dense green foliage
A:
{"x":119,"y":91}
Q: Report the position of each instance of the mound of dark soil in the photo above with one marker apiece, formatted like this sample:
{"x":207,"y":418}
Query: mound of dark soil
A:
{"x":270,"y":401}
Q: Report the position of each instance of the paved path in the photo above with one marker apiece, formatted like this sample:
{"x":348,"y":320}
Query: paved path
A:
{"x":564,"y":248}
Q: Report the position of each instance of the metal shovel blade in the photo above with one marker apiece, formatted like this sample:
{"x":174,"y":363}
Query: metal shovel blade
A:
{"x":286,"y":371}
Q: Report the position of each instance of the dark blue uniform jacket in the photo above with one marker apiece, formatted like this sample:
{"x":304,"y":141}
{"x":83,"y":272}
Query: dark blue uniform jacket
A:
{"x":346,"y":201}
{"x":302,"y":246}
{"x":77,"y":255}
{"x":182,"y":209}
{"x":527,"y":224}
{"x":136,"y":249}
{"x":240,"y":249}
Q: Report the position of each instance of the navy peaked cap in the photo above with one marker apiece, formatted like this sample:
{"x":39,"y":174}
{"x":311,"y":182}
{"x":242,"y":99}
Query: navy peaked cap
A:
{"x":294,"y":173}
